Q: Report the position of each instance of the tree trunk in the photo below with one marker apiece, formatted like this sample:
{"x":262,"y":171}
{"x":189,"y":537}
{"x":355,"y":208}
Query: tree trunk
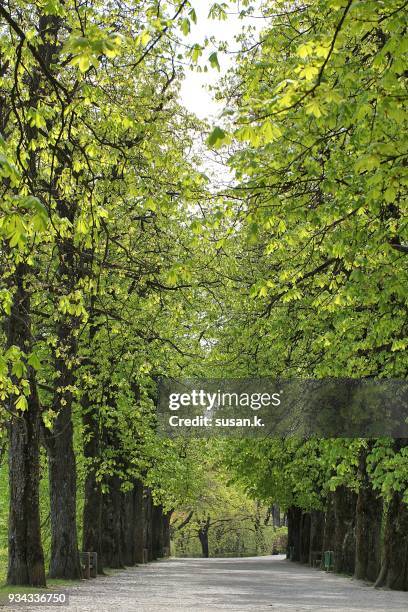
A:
{"x":26,"y":559}
{"x":92,"y":518}
{"x":394,"y":570}
{"x":344,"y":534}
{"x":316,"y":532}
{"x":128,"y":517}
{"x":138,"y":522}
{"x":62,"y":466}
{"x":92,"y":512}
{"x":305,"y":537}
{"x":329,"y":524}
{"x":112,"y":554}
{"x":147,"y":523}
{"x":157,"y":524}
{"x":369,"y":511}
{"x":64,"y":562}
{"x":166,"y":533}
{"x":294,"y":531}
{"x":203,"y":537}
{"x":257,"y":529}
{"x":92,"y":515}
{"x":276,"y":520}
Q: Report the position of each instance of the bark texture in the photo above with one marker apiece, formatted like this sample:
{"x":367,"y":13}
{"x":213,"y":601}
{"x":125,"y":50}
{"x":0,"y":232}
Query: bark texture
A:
{"x":203,"y":537}
{"x":369,"y":510}
{"x":64,"y":562}
{"x":92,"y":513}
{"x":138,"y":525}
{"x":394,"y":570}
{"x":344,"y":533}
{"x":112,"y":552}
{"x":26,"y":559}
{"x":158,"y":532}
{"x":294,"y":531}
{"x":305,"y":537}
{"x":147,"y":523}
{"x":316,"y":532}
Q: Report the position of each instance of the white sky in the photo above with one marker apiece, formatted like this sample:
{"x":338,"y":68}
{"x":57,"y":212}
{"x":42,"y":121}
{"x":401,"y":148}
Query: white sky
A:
{"x":194,"y":94}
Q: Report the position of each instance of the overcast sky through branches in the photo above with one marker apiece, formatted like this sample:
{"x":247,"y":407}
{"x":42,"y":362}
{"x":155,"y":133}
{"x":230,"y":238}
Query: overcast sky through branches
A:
{"x":194,"y":91}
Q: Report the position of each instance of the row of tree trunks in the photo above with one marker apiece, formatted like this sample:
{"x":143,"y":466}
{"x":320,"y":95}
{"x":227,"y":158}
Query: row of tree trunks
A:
{"x":314,"y":532}
{"x":305,"y":533}
{"x":130,"y":528}
{"x":351,"y":527}
{"x":122,"y":524}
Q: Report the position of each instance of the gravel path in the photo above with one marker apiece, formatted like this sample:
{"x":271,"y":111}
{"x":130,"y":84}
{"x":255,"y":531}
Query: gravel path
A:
{"x":258,"y":584}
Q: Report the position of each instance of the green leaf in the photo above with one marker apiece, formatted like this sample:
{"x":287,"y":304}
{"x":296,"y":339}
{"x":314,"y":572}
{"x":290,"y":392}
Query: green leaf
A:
{"x":217,"y":137}
{"x":84,"y":62}
{"x":196,"y":52}
{"x":21,"y":403}
{"x":309,"y":72}
{"x":185,"y":26}
{"x":314,"y":108}
{"x":390,"y":194}
{"x":213,"y":58}
{"x":367,"y":162}
{"x":305,"y":50}
{"x":39,"y":223}
{"x":18,"y":369}
{"x":34,"y":361}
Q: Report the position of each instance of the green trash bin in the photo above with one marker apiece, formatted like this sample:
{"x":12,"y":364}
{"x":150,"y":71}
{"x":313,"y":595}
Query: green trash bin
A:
{"x":328,"y":560}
